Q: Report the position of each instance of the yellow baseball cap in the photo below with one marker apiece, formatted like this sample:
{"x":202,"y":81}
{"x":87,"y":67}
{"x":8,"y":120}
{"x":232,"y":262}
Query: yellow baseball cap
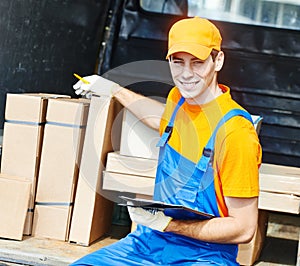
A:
{"x":196,"y":36}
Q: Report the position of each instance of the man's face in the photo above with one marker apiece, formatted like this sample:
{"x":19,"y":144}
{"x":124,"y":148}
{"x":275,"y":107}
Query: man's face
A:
{"x":192,"y":76}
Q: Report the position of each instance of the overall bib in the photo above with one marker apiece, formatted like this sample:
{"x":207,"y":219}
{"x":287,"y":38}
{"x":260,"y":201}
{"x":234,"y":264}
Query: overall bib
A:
{"x":178,"y":181}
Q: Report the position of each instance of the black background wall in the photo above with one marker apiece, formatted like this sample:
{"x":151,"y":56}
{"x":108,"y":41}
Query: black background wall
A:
{"x":42,"y":43}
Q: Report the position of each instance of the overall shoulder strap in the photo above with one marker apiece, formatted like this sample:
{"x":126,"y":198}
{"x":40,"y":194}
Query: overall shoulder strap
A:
{"x":168,"y":130}
{"x":209,"y":148}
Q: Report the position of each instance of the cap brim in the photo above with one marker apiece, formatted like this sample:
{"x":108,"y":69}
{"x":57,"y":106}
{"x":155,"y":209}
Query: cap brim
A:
{"x":199,"y":51}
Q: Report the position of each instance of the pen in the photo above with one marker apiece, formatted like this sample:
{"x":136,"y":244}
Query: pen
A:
{"x":82,"y":79}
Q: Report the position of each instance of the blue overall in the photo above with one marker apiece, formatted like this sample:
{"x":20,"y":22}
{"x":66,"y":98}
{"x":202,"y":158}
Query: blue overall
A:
{"x":178,"y":181}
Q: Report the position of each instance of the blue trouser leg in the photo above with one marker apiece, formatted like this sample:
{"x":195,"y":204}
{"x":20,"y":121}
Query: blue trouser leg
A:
{"x":120,"y":253}
{"x":148,"y":247}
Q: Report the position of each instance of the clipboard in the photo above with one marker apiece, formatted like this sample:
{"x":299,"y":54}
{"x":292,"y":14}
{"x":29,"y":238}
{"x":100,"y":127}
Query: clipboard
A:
{"x":179,"y":212}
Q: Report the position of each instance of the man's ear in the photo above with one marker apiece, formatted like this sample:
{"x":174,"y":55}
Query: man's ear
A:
{"x":219,"y":61}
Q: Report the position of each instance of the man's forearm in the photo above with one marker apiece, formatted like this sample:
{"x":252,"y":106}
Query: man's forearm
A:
{"x":149,"y":111}
{"x":238,"y":227}
{"x":218,"y":230}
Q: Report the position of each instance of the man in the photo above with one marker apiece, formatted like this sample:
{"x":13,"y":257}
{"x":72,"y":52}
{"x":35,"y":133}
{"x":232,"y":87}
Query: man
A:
{"x":209,"y":159}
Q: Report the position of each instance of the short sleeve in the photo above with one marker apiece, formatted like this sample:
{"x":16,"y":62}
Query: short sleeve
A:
{"x":239,"y":161}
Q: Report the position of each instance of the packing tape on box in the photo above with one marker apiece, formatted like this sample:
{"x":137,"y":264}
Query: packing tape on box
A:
{"x":55,"y":203}
{"x":65,"y":125}
{"x":25,"y":122}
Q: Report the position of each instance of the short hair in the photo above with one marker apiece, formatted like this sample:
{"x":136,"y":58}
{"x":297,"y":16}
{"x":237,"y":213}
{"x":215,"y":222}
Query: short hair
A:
{"x":214,"y":54}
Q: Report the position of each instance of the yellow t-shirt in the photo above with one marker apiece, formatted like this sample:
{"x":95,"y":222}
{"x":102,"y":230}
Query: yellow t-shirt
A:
{"x":237,"y":149}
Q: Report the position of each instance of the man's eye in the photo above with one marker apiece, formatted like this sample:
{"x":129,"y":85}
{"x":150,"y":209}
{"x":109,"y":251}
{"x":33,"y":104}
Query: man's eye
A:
{"x":178,"y":63}
{"x":196,"y":63}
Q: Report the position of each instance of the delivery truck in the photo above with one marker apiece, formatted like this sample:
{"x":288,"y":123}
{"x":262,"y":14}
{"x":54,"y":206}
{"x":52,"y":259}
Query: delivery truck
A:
{"x":43,"y":43}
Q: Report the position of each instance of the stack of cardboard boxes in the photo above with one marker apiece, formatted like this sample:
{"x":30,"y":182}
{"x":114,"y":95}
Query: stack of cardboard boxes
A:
{"x":44,"y":145}
{"x":279,"y":188}
{"x":25,"y":117}
{"x":60,"y":160}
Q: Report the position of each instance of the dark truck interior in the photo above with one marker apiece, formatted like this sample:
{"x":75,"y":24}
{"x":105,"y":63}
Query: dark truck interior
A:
{"x":43,"y":43}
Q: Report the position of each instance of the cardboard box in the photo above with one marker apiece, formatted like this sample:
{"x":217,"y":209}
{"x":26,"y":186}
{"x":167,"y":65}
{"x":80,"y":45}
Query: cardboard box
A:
{"x":92,"y":214}
{"x":28,"y":107}
{"x":279,"y":202}
{"x":249,"y":253}
{"x":137,"y":139}
{"x":21,"y":150}
{"x":51,"y":221}
{"x":25,"y":115}
{"x":279,"y":179}
{"x":59,"y":167}
{"x":130,"y":165}
{"x":14,"y":200}
{"x":279,"y":188}
{"x":128,"y":183}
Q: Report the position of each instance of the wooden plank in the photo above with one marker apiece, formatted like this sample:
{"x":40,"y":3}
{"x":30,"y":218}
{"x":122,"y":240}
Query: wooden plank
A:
{"x":273,"y":169}
{"x":278,"y":202}
{"x":262,"y":91}
{"x":280,"y":128}
{"x":286,"y":133}
{"x":280,"y":179}
{"x":43,"y":251}
{"x":130,"y":165}
{"x":128,"y":183}
{"x":277,"y":146}
{"x":254,"y":65}
{"x":270,"y":157}
{"x":287,"y":102}
{"x":280,"y":184}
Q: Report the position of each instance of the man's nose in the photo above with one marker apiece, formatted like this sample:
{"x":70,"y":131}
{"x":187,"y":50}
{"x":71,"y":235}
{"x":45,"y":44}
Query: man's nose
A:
{"x":187,"y":71}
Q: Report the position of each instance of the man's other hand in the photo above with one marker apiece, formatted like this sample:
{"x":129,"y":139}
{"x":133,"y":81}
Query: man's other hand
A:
{"x":153,"y":219}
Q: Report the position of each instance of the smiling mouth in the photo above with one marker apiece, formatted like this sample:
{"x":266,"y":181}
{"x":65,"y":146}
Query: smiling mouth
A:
{"x":189,"y":84}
